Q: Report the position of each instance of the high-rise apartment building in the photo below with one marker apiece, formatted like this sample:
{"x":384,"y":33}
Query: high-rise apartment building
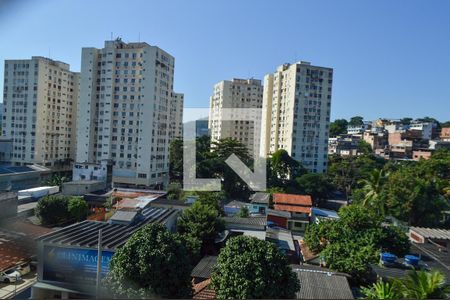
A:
{"x":40,"y":106}
{"x":176,"y":115}
{"x":124,"y":111}
{"x":296,"y":113}
{"x":235,"y":94}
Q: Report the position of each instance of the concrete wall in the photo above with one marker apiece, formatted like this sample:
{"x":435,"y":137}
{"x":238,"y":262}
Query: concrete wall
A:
{"x":8,"y":204}
{"x":80,"y":188}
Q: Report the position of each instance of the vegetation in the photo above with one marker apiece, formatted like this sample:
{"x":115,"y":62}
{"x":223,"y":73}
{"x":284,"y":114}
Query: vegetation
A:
{"x":56,"y":180}
{"x":356,"y":121}
{"x":248,"y":268}
{"x":352,"y":242}
{"x":59,"y":209}
{"x":416,"y":285}
{"x":201,"y":222}
{"x":153,"y":263}
{"x":243,"y":212}
{"x":338,"y":127}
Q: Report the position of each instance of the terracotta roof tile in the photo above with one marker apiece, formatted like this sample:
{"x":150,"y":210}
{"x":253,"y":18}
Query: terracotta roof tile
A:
{"x":202,"y":290}
{"x":292,"y":199}
{"x":293,"y":208}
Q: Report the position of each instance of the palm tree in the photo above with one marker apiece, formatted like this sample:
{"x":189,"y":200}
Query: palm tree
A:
{"x":382,"y":290}
{"x":424,"y":285}
{"x":372,"y":188}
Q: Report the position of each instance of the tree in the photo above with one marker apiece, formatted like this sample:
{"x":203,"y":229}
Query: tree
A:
{"x":372,"y":188}
{"x":364,"y":147}
{"x":355,"y":240}
{"x":176,"y":159}
{"x":282,"y":170}
{"x":152,"y":263}
{"x":77,"y":208}
{"x":356,"y":121}
{"x":424,"y":285}
{"x":338,"y":127}
{"x":382,"y":290}
{"x":406,"y":121}
{"x":52,"y":210}
{"x":249,"y":268}
{"x":314,"y":184}
{"x":56,"y":180}
{"x":174,"y":191}
{"x":202,"y":222}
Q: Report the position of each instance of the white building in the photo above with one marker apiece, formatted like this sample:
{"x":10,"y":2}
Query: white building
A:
{"x":425,"y":127}
{"x":176,"y":115}
{"x":124,"y":111}
{"x":235,"y":94}
{"x":296,"y":113}
{"x":40,"y":105}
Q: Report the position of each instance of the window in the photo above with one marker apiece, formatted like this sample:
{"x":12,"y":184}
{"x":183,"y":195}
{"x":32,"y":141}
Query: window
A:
{"x":142,"y":175}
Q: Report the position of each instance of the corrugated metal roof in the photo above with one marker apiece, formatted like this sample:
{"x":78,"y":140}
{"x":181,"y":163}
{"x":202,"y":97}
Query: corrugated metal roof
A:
{"x":204,"y":268}
{"x":85,"y":234}
{"x":432,"y":233}
{"x":124,"y":216}
{"x":260,"y":198}
{"x":258,"y":221}
{"x":319,"y":284}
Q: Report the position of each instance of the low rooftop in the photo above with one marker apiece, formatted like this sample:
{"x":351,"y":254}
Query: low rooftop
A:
{"x":85,"y":234}
{"x":204,"y":268}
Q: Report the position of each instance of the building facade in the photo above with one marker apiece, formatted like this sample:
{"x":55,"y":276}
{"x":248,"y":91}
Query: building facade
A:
{"x":176,"y":116}
{"x":125,"y":95}
{"x":235,"y":94}
{"x":296,"y":113}
{"x":40,"y":106}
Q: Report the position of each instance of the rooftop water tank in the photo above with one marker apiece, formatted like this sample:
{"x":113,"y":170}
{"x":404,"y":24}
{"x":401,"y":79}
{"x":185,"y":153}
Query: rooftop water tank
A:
{"x":388,"y":258}
{"x":412,"y":260}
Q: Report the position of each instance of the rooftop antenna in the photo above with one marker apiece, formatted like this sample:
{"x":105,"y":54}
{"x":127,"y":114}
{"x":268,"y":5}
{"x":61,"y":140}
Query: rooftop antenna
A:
{"x":111,"y":35}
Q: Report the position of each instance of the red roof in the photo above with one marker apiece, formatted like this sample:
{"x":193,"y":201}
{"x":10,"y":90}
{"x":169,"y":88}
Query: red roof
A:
{"x":291,"y":199}
{"x":203,"y":291}
{"x":293,"y":208}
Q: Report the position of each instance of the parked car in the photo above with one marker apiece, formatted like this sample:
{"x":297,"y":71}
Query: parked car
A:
{"x":10,"y":276}
{"x":23,"y":268}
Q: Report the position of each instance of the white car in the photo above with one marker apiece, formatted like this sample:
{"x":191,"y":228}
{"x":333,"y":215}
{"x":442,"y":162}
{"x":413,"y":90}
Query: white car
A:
{"x":10,"y":276}
{"x":23,"y":269}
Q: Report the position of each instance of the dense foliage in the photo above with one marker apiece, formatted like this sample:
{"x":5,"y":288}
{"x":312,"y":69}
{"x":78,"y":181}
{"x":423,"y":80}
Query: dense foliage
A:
{"x":352,"y":242}
{"x":60,"y":209}
{"x":202,"y":222}
{"x":248,"y":268}
{"x":152,"y":263}
{"x":415,"y":285}
{"x":338,"y":127}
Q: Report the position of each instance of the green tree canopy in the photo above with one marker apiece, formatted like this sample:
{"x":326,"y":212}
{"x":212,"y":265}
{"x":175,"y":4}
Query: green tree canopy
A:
{"x":338,"y":127}
{"x":152,"y":263}
{"x":176,"y":159}
{"x":314,"y":184}
{"x":248,"y":268}
{"x":202,"y":222}
{"x":356,"y":121}
{"x":352,"y":242}
{"x":77,"y":208}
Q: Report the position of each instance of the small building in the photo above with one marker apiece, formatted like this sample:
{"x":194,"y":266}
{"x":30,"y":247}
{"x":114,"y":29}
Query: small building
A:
{"x":421,"y":154}
{"x":285,"y":242}
{"x":298,"y":205}
{"x":278,"y":218}
{"x":15,"y":178}
{"x":201,"y":278}
{"x":67,"y":258}
{"x":234,"y":207}
{"x":82,"y":187}
{"x":91,"y":171}
{"x":445,"y":134}
{"x":259,"y":203}
{"x":38,"y":192}
{"x":321,"y":283}
{"x":243,"y":224}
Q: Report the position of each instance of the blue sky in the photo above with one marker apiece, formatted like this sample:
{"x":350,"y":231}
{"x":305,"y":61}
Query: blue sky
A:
{"x":391,"y":58}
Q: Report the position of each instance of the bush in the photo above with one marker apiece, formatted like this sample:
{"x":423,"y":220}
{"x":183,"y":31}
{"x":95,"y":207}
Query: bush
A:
{"x":60,"y":209}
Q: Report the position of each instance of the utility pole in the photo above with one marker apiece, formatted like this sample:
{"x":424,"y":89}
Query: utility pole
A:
{"x":99,"y":263}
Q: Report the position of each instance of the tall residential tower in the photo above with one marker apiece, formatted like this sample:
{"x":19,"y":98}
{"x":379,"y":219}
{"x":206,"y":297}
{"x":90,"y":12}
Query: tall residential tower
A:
{"x":124,"y":111}
{"x":235,"y":94}
{"x":40,"y":105}
{"x":296,"y":113}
